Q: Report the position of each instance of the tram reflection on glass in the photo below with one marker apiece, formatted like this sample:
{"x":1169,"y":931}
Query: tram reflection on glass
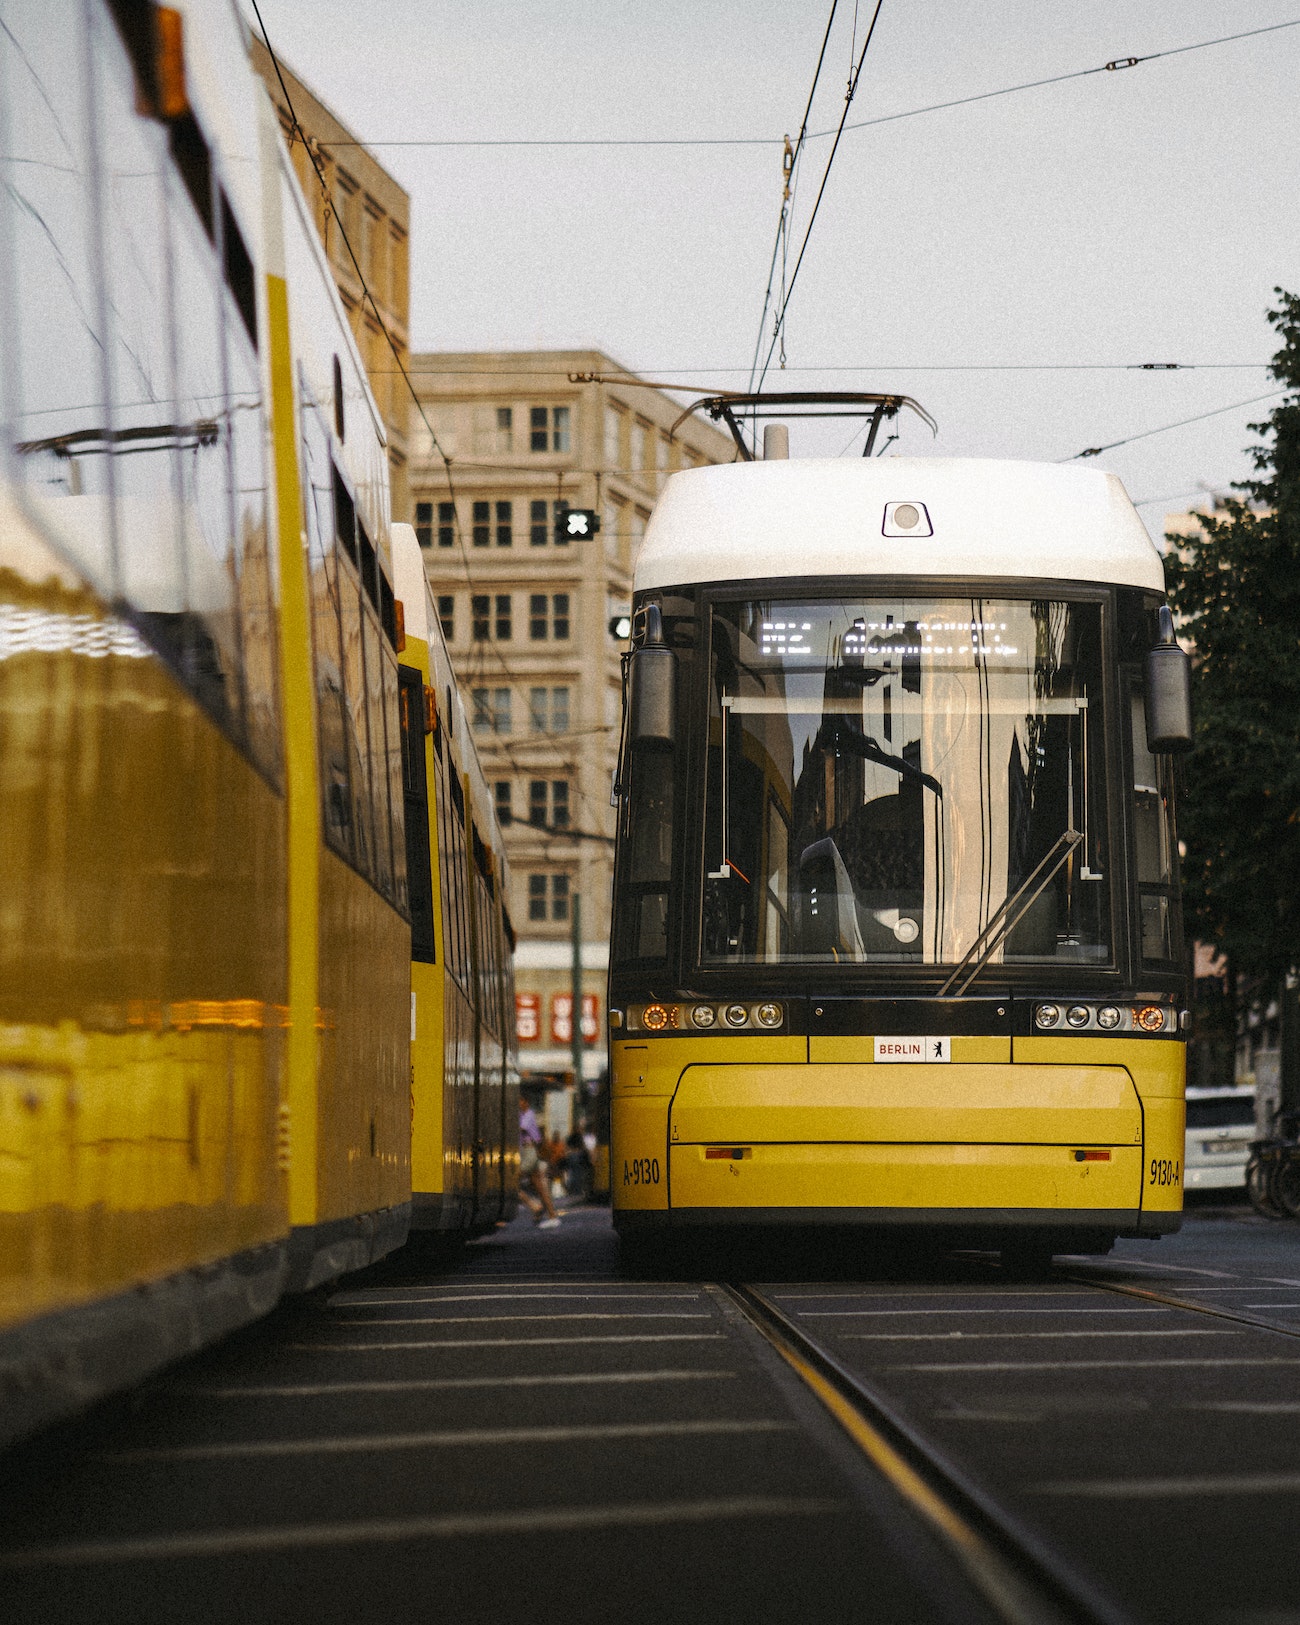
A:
{"x":896,"y":920}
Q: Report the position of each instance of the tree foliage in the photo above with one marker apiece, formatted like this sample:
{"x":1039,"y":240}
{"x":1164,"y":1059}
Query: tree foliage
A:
{"x":1237,"y":588}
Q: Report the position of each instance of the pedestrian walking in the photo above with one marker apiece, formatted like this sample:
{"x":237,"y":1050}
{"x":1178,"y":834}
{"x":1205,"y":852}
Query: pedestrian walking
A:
{"x":534,"y":1184}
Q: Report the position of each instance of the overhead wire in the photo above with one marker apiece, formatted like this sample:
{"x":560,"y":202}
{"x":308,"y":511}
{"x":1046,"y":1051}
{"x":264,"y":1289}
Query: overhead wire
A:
{"x":1116,"y":64}
{"x":559,"y":740}
{"x":1236,"y":406}
{"x":779,"y":324}
{"x":788,"y":185}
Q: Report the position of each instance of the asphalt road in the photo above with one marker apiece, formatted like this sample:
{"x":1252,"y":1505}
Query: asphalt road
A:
{"x":533,"y":1434}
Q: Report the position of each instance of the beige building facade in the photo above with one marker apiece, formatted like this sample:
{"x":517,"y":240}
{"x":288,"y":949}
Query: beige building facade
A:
{"x":526,"y":616}
{"x":375,"y":215}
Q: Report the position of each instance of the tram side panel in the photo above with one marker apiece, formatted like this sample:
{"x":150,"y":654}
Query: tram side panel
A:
{"x":350,"y":939}
{"x":143,"y":1209}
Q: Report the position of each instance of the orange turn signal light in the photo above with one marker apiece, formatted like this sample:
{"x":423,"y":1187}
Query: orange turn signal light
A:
{"x":1150,"y":1018}
{"x":727,"y":1153}
{"x":1084,"y":1155}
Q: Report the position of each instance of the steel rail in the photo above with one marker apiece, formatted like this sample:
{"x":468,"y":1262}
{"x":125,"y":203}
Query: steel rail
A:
{"x":1130,"y":1290}
{"x":1016,"y":1572}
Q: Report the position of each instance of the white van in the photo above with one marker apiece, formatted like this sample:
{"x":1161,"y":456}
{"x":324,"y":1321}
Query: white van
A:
{"x":1220,"y":1127}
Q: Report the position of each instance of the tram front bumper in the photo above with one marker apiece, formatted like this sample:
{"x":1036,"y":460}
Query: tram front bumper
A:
{"x":970,"y":1145}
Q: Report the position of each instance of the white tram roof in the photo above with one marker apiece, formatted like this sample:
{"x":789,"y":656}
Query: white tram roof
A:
{"x":827,"y":516}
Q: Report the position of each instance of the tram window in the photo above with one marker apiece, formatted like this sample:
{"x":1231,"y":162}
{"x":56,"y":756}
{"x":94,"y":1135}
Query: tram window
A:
{"x":239,"y":271}
{"x":394,"y":797}
{"x":376,"y":708}
{"x":325,"y":574}
{"x":257,"y":578}
{"x":883,"y":775}
{"x":415,"y":798}
{"x":356,"y":720}
{"x":209,"y":631}
{"x":1153,"y":833}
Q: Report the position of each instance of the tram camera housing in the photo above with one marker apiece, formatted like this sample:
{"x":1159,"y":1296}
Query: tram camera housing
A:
{"x":652,"y":685}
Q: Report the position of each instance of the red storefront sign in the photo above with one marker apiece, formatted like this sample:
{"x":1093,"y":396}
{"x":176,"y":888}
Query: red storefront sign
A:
{"x":528,"y":1017}
{"x":562,"y":1018}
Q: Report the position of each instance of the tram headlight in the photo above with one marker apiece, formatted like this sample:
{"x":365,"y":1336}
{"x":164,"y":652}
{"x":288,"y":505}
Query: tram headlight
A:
{"x":1047,"y":1015}
{"x":703,"y":1015}
{"x":1150,"y":1018}
{"x":1108,"y":1017}
{"x":1077,"y":1015}
{"x":735,"y":1015}
{"x":768,"y":1015}
{"x":654,"y":1017}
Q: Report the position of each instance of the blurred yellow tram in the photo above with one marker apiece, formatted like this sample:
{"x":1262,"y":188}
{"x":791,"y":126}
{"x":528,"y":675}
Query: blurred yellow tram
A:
{"x":222,"y":1005}
{"x":896,"y":933}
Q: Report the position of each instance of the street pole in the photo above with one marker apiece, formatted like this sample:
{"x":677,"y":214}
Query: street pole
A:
{"x":575,"y":1030}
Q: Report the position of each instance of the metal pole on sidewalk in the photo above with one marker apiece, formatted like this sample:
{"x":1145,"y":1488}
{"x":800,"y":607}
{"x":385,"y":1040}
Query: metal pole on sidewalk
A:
{"x":575,"y":1036}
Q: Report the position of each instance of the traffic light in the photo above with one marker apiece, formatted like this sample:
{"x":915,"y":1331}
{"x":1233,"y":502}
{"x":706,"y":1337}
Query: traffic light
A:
{"x":576,"y":524}
{"x":620,"y":626}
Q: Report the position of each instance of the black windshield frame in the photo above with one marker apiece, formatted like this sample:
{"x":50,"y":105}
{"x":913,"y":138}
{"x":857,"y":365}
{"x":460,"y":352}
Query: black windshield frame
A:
{"x":683,"y":966}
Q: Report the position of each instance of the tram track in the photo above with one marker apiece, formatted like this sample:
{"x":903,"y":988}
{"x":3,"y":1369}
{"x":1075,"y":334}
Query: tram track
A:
{"x":1021,"y":1578}
{"x":1216,"y":1311}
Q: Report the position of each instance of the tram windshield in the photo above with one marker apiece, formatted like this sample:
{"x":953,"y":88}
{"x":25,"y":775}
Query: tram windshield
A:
{"x":885,"y":775}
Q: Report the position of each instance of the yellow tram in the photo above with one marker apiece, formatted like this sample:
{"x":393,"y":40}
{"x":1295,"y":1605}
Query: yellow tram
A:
{"x":896,"y":931}
{"x":213,"y":1056}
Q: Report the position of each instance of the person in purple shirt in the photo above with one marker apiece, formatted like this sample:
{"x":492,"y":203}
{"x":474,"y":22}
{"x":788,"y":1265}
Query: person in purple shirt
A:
{"x":534,"y":1186}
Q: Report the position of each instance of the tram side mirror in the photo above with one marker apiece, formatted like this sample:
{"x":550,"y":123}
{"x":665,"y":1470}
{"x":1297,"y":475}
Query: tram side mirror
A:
{"x":652,"y":686}
{"x":1168,"y":692}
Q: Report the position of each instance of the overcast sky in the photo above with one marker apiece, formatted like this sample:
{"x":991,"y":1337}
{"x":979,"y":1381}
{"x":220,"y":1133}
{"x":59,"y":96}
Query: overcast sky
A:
{"x":1131,"y":216}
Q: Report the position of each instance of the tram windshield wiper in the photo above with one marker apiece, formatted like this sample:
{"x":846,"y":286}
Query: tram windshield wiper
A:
{"x":1008,"y":915}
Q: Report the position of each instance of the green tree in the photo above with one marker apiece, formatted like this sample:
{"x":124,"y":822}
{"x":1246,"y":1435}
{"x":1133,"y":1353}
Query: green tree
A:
{"x":1237,"y":588}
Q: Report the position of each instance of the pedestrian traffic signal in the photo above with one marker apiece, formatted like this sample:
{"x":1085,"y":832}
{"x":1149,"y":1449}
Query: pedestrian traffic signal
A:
{"x":576,"y":524}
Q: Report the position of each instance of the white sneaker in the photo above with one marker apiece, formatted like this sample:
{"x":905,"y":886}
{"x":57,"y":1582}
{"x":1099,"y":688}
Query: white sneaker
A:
{"x":548,"y":1224}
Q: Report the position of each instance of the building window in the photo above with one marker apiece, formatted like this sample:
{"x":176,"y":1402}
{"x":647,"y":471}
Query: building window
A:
{"x":505,"y":526}
{"x":548,"y":803}
{"x":539,"y":886}
{"x":537,"y":522}
{"x":548,"y":428}
{"x":542,"y":516}
{"x":501,"y":794}
{"x":491,"y":710}
{"x":613,"y":437}
{"x":504,"y":619}
{"x":548,"y":617}
{"x":446,"y":524}
{"x":424,"y":523}
{"x":537,"y":803}
{"x":640,"y":449}
{"x":505,"y":428}
{"x":482,"y":531}
{"x":548,"y":710}
{"x":480,"y":607}
{"x":661,"y":453}
{"x":447,"y":615}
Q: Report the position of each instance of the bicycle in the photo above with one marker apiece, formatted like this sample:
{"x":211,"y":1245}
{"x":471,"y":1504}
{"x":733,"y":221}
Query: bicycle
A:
{"x":1273,"y":1171}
